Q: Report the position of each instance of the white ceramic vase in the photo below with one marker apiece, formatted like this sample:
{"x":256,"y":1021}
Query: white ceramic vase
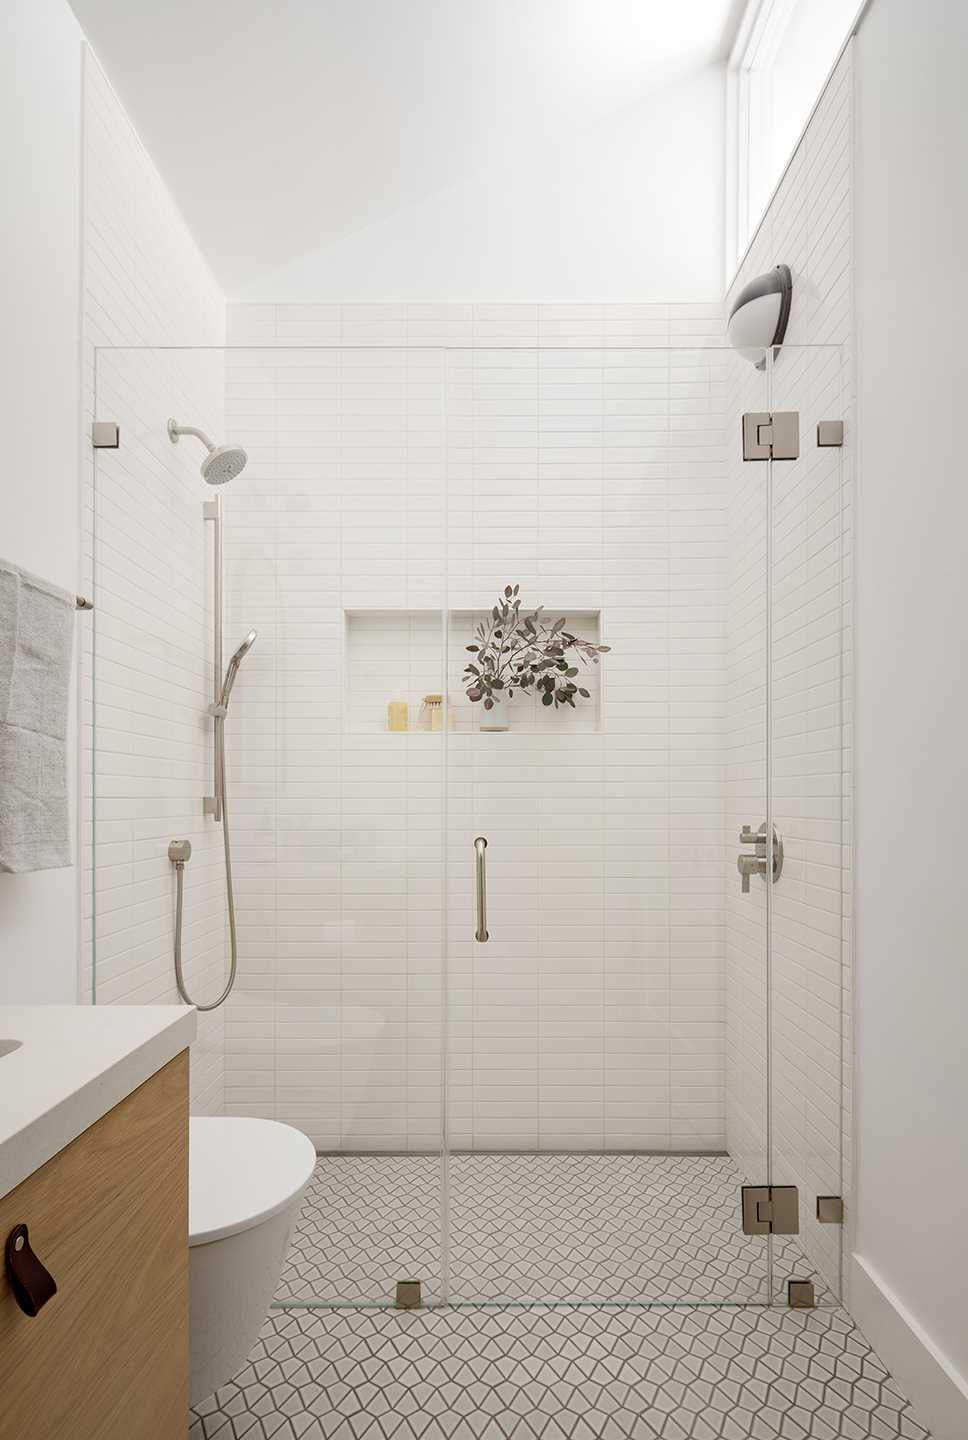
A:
{"x":499,"y":716}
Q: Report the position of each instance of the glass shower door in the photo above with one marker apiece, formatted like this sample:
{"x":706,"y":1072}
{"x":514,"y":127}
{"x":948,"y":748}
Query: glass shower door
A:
{"x":810,"y":647}
{"x":608,"y":1038}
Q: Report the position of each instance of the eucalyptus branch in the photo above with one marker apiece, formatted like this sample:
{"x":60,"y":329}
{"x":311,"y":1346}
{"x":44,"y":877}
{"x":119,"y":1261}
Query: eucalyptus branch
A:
{"x":516,"y":652}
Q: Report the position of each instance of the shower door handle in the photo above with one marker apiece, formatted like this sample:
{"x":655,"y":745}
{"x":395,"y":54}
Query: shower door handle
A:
{"x":480,"y":867}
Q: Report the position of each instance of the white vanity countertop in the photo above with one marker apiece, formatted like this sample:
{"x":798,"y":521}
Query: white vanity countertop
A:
{"x":74,"y":1064}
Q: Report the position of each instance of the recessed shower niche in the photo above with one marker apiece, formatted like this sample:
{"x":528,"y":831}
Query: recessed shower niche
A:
{"x":397,"y":655}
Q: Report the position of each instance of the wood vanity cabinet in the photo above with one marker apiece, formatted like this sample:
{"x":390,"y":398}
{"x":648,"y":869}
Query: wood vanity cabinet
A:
{"x":107,"y":1357}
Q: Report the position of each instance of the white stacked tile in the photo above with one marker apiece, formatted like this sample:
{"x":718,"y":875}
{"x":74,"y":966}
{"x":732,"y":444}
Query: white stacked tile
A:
{"x":394,"y":482}
{"x":146,"y":672}
{"x":807,"y":226}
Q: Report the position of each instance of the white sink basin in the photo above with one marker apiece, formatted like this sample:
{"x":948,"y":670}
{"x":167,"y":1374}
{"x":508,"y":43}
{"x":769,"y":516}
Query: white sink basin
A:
{"x":6,"y":1046}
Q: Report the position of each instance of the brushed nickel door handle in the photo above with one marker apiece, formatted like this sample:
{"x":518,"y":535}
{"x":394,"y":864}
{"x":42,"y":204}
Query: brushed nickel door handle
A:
{"x":480,"y":865}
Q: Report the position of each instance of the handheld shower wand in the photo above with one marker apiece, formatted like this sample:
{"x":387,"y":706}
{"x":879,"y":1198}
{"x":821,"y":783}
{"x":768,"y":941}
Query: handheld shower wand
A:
{"x":179,"y":851}
{"x":232,"y":669}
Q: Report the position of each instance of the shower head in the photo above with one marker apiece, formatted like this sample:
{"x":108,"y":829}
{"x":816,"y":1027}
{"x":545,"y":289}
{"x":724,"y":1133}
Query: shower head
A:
{"x":246,"y":646}
{"x":232,"y":669}
{"x":222,"y":463}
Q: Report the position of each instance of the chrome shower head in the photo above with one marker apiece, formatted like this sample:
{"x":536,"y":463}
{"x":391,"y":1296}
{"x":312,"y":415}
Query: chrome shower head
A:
{"x":222,"y":463}
{"x":232,"y":669}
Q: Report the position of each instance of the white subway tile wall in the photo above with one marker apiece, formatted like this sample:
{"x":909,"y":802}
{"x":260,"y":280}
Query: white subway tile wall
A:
{"x":808,"y":227}
{"x":146,"y":746}
{"x":393,"y":483}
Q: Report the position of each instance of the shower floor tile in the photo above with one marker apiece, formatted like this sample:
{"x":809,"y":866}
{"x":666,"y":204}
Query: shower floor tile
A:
{"x":559,"y":1374}
{"x":531,"y":1227}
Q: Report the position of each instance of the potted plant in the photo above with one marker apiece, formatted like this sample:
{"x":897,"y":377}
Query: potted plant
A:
{"x":524,"y":652}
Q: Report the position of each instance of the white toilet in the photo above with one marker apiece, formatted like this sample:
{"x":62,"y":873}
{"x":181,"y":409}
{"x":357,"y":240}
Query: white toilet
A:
{"x":246,"y":1181}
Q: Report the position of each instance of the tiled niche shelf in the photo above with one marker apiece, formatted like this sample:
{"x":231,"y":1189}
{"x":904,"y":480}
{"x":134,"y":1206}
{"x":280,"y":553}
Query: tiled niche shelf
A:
{"x":397,"y":655}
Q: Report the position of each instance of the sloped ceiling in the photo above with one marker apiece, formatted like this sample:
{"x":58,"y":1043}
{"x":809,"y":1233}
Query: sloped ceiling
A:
{"x":282,"y":128}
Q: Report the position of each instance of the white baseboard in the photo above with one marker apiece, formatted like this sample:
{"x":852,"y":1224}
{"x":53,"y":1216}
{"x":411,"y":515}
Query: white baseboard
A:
{"x":934,"y":1387}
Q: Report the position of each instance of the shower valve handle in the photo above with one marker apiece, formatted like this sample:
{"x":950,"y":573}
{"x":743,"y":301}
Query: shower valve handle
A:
{"x":756,"y":864}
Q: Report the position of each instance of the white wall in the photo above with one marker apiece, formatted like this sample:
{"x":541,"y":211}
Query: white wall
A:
{"x":40,"y":84}
{"x":631,"y":210}
{"x":98,"y":246}
{"x":912,"y":774}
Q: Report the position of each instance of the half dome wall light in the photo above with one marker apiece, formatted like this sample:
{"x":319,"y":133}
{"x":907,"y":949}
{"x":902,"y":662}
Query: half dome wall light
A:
{"x":758,"y":318}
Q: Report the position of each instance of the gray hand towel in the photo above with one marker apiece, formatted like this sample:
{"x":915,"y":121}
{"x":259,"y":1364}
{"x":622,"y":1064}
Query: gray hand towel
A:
{"x":36,"y":644}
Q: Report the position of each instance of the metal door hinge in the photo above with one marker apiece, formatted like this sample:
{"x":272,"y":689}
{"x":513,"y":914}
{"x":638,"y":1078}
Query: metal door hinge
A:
{"x":771,"y":1210}
{"x":105,"y":435}
{"x":773,"y":436}
{"x":408,"y":1295}
{"x":801,"y":1295}
{"x":830,"y":1210}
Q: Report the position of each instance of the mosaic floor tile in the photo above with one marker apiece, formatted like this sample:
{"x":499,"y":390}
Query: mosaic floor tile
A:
{"x":562,"y":1373}
{"x":536,"y":1227}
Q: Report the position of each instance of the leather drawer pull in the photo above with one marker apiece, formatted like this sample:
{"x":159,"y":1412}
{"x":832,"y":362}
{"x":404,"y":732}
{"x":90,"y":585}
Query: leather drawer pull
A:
{"x":32,"y":1284}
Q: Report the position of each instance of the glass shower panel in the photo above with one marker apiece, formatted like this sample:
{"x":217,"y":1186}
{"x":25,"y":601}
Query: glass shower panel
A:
{"x":334,"y":552}
{"x":595,"y":1033}
{"x":147,"y":680}
{"x":339,"y":532}
{"x":746,"y":755}
{"x":809,"y":775}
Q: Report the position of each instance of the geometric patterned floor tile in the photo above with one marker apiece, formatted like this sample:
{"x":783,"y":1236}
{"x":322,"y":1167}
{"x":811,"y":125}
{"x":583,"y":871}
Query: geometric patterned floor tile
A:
{"x":563,"y":1373}
{"x":531,"y":1227}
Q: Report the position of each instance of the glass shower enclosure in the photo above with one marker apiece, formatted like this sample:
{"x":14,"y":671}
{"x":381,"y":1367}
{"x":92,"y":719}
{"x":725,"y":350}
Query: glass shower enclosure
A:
{"x":516,"y":968}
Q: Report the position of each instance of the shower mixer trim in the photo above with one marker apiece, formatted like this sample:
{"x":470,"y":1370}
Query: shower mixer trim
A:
{"x":756,"y":864}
